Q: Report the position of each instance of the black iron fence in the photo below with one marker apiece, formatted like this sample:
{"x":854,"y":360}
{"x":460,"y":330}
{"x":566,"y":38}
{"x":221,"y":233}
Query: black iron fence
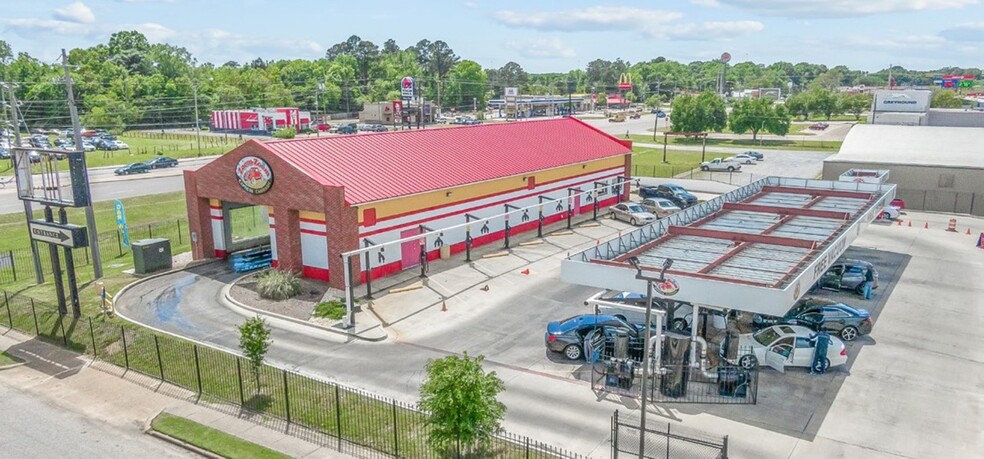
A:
{"x":337,"y":415}
{"x":18,"y":264}
{"x":664,"y":441}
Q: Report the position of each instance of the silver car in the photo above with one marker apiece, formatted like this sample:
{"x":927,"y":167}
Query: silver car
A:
{"x":660,"y":207}
{"x":633,"y":213}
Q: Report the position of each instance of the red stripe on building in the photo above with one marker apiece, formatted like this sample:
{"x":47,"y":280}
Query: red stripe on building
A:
{"x":313,"y":232}
{"x":311,"y":272}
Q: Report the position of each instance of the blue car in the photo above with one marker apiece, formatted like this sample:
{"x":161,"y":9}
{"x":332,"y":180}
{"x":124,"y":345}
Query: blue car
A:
{"x":675,"y":193}
{"x":567,"y":336}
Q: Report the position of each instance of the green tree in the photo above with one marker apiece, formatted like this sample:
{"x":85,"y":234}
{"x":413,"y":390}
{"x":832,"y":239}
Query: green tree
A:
{"x":254,"y":342}
{"x":799,"y":104}
{"x":461,"y":399}
{"x":757,"y":115}
{"x":854,"y":103}
{"x":467,"y":85}
{"x":946,"y":99}
{"x":701,"y":113}
{"x":823,"y":101}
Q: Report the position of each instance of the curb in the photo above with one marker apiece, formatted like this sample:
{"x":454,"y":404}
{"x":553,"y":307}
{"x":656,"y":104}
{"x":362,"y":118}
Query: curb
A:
{"x":234,"y":302}
{"x":191,"y":264}
{"x":12,"y":366}
{"x":174,"y":441}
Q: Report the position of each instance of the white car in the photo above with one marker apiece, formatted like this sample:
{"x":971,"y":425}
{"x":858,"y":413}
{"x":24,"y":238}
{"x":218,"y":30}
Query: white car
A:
{"x":121,"y":145}
{"x":660,"y":207}
{"x":632,"y":213}
{"x":890,"y":213}
{"x":781,"y":346}
{"x":719,"y":164}
{"x":742,"y":158}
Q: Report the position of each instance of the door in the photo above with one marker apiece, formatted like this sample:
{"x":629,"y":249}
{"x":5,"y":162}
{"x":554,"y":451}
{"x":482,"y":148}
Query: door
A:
{"x":410,"y":249}
{"x":832,"y":278}
{"x":780,"y":354}
{"x":803,"y":353}
{"x":577,"y":204}
{"x":594,"y":343}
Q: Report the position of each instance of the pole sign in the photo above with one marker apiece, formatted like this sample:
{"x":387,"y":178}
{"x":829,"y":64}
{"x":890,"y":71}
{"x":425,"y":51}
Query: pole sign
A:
{"x":121,"y":225}
{"x":407,"y":87}
{"x":65,"y":235}
{"x":725,"y":57}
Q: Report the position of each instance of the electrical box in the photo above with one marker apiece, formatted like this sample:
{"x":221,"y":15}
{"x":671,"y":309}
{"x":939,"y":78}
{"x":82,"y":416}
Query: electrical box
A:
{"x":150,"y":255}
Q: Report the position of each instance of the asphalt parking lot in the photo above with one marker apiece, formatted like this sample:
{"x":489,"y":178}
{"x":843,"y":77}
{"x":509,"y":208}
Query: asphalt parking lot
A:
{"x":910,"y":389}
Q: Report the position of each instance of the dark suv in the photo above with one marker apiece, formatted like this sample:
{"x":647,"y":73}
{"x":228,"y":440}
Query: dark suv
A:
{"x":675,"y":193}
{"x":822,"y":314}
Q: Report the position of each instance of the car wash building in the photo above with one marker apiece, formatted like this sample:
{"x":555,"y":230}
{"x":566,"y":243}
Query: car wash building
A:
{"x":330,"y":195}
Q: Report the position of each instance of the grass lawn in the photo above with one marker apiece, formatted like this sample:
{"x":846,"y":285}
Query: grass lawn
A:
{"x":210,"y":439}
{"x":816,"y":145}
{"x":648,"y":162}
{"x":7,"y":359}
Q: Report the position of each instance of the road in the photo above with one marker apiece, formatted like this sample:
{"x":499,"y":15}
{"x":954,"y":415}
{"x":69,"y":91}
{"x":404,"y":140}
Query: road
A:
{"x":32,"y":428}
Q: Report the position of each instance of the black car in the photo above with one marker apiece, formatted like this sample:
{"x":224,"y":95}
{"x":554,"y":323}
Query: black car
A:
{"x":567,"y":336}
{"x":135,"y":168}
{"x":675,"y":193}
{"x":757,"y":155}
{"x":161,"y":162}
{"x":822,"y":314}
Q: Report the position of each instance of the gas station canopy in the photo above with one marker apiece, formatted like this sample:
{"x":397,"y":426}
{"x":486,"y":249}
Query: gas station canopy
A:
{"x":758,"y":248}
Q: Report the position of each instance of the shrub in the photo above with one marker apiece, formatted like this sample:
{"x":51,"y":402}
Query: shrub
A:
{"x":462,"y":401}
{"x":278,"y":285}
{"x":334,"y":309}
{"x":285,"y":133}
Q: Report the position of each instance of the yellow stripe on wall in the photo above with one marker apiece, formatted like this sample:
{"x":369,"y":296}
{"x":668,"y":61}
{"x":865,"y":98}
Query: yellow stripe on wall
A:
{"x":311,"y":215}
{"x":214,"y":202}
{"x":399,"y":206}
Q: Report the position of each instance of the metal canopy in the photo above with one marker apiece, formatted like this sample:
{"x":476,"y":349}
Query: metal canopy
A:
{"x":758,"y":248}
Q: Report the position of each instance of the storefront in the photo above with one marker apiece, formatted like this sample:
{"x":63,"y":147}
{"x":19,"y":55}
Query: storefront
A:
{"x":329,"y":195}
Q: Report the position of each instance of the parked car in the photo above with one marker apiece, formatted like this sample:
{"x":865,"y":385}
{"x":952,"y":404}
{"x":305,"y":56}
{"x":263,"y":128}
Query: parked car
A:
{"x":632,"y":213}
{"x":87,"y":146}
{"x":847,"y":275}
{"x":757,"y":155}
{"x":660,"y":207}
{"x":742,"y":158}
{"x":4,"y":154}
{"x":897,"y":202}
{"x":567,"y":336}
{"x":821,"y":314}
{"x":634,"y":311}
{"x":34,"y":156}
{"x":890,"y":213}
{"x":120,"y":145}
{"x":161,"y":162}
{"x":819,"y":126}
{"x":345,"y":129}
{"x":718,"y":164}
{"x":375,"y":128}
{"x":134,"y":168}
{"x":103,"y":144}
{"x":794,"y":344}
{"x":675,"y":193}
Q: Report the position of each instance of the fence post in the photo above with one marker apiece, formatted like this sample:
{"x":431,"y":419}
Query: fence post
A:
{"x":119,"y":244}
{"x":615,"y":435}
{"x":61,"y":323}
{"x":37,"y":329}
{"x":126,"y":354}
{"x":286,"y":396}
{"x":527,"y":447}
{"x":179,"y":231}
{"x":239,"y":374}
{"x":160,"y":362}
{"x":150,"y":230}
{"x":667,"y":440}
{"x":724,"y":448}
{"x":338,"y":417}
{"x":198,"y":371}
{"x":396,"y":435}
{"x":6,"y":303}
{"x":92,"y":336}
{"x":13,"y":264}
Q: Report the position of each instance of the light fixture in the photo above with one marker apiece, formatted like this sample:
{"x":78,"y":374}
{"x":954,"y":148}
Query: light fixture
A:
{"x":448,"y":194}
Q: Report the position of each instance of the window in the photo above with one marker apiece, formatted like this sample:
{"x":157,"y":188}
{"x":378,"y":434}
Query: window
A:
{"x":946,"y":181}
{"x":802,"y":343}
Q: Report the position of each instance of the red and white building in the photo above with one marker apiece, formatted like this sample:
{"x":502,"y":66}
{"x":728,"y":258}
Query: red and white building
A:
{"x":258,"y":120}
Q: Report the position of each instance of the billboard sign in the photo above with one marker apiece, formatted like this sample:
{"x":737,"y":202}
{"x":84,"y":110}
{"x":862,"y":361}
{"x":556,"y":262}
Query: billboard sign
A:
{"x":65,"y":235}
{"x":512,"y":92}
{"x":407,"y":87}
{"x":397,"y":109}
{"x":902,"y":101}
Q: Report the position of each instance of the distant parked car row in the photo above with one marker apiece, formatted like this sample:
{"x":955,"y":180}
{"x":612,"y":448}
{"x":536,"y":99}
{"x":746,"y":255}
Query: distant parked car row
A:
{"x":140,"y":168}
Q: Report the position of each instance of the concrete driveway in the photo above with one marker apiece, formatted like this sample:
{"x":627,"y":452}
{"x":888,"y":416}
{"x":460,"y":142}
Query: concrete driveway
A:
{"x":911,"y":388}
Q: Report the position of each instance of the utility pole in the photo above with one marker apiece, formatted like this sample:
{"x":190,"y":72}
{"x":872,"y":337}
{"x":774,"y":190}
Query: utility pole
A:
{"x":90,"y":215}
{"x":28,"y":211}
{"x":347,"y":109}
{"x":198,"y":130}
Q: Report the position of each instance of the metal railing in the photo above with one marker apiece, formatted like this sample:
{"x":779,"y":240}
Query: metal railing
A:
{"x":664,"y":441}
{"x":346,"y":418}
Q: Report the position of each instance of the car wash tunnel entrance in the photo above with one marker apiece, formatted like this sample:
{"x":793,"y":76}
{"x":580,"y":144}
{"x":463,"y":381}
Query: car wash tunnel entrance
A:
{"x":757,"y":249}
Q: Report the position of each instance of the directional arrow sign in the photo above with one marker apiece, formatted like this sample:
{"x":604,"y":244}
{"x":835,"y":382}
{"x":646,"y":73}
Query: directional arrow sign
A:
{"x":73,"y":236}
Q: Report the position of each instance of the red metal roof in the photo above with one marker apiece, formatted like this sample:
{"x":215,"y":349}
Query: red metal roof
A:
{"x":379,"y":166}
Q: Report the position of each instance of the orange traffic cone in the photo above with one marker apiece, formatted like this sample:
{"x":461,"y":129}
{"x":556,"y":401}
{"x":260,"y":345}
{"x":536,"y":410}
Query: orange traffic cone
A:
{"x":968,"y":231}
{"x":910,"y":223}
{"x":444,"y":306}
{"x":525,"y":271}
{"x":926,"y":225}
{"x":898,"y":222}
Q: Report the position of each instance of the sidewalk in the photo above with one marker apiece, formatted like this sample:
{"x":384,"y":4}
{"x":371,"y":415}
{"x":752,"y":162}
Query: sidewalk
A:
{"x":97,"y":391}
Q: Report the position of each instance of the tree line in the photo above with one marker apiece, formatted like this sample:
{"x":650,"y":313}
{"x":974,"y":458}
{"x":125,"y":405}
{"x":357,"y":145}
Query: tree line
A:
{"x":130,"y":83}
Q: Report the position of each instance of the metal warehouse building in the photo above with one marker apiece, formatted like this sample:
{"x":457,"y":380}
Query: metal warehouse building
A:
{"x":935,"y":168}
{"x":330,"y":195}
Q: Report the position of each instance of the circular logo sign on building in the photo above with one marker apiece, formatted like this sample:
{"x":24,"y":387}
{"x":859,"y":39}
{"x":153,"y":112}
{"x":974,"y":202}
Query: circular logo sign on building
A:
{"x":254,"y":174}
{"x":668,"y":287}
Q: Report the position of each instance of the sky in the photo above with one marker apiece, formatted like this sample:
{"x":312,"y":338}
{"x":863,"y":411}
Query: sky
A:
{"x":542,"y":36}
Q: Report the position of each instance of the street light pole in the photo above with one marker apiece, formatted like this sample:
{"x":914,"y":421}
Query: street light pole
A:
{"x":198,"y":129}
{"x":634,"y":261}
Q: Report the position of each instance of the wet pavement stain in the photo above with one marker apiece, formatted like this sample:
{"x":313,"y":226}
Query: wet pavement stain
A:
{"x":166,"y":307}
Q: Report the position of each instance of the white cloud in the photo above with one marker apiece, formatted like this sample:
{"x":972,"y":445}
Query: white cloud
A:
{"x":146,"y":1}
{"x":708,"y":3}
{"x":153,"y":31}
{"x":595,"y":18}
{"x":34,"y":27}
{"x":249,"y":44}
{"x":471,"y":5}
{"x":542,"y":48}
{"x":966,"y":32}
{"x":714,"y":30}
{"x":77,"y":12}
{"x":842,"y":8}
